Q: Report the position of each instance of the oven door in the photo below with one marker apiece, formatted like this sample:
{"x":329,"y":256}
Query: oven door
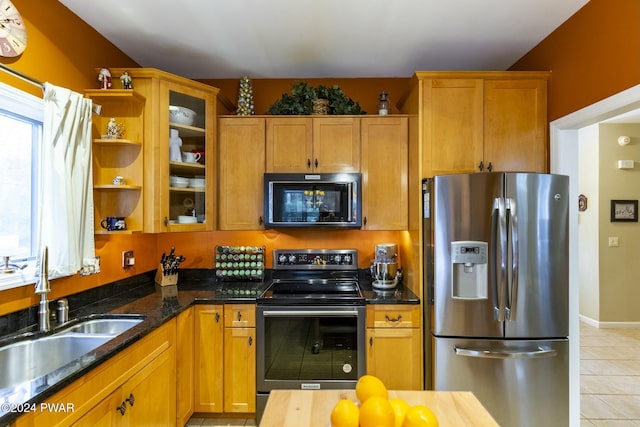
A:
{"x":309,"y":347}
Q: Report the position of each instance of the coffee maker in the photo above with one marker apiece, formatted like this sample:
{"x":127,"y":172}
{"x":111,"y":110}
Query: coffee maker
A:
{"x":384,"y":267}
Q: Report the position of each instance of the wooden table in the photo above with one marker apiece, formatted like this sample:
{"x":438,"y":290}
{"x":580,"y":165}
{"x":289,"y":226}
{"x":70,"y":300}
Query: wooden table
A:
{"x":312,"y":408}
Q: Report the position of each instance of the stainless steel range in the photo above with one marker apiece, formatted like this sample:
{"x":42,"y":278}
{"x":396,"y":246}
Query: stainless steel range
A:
{"x":310,"y":323}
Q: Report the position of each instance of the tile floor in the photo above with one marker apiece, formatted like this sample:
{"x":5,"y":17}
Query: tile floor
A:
{"x":609,"y":380}
{"x":218,"y":422}
{"x":609,"y":377}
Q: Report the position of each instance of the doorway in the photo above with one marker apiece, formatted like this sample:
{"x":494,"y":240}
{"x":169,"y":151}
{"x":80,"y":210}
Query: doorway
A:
{"x":564,"y":146}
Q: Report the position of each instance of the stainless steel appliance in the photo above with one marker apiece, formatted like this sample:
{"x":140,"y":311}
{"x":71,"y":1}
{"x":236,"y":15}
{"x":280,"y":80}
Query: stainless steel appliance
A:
{"x":312,"y":200}
{"x":496,"y":277}
{"x":310,"y":323}
{"x":384,"y":267}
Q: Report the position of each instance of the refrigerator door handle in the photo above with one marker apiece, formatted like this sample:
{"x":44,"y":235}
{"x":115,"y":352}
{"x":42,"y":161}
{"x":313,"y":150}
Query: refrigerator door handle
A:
{"x":500,"y":266}
{"x":513,"y":228}
{"x":491,"y":353}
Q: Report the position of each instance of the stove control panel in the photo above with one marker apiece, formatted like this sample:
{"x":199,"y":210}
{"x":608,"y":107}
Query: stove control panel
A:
{"x":315,"y":259}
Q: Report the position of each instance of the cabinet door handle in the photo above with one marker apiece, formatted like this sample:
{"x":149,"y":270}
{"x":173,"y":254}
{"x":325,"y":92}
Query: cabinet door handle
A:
{"x":165,"y":221}
{"x":365,"y":220}
{"x":131,"y":399}
{"x":122,"y":408}
{"x":391,"y":319}
{"x":370,"y":341}
{"x":250,"y":340}
{"x":239,"y":316}
{"x":490,"y":167}
{"x":316,"y":163}
{"x":217,"y":316}
{"x":481,"y":166}
{"x":260,"y":221}
{"x":308,"y":163}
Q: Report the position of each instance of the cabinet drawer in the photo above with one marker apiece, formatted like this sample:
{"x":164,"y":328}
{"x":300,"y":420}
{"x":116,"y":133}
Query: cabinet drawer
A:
{"x":393,"y":316}
{"x":239,"y":315}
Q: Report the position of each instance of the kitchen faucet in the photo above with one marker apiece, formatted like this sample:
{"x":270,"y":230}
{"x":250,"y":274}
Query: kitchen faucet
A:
{"x":43,"y":288}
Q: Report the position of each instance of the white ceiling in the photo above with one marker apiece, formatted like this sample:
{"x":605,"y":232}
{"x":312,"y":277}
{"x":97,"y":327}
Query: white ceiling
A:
{"x":323,"y":38}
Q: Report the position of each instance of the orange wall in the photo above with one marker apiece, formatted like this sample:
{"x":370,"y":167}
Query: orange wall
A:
{"x":593,"y":55}
{"x":366,"y":91}
{"x":64,"y":51}
{"x":61,"y":49}
{"x":198,"y":248}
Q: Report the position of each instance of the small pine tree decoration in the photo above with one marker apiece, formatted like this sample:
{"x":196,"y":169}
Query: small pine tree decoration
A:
{"x":245,"y":97}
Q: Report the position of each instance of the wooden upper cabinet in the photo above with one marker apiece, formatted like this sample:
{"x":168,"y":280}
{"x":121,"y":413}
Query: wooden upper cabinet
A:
{"x":483,"y":121}
{"x":289,"y":144}
{"x":318,"y":144}
{"x":336,"y":144}
{"x":452,"y":125}
{"x":515,"y":125}
{"x":384,"y":173}
{"x":163,"y":202}
{"x":241,"y":143}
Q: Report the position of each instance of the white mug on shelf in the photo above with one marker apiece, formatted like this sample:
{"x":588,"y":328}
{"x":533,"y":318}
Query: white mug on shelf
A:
{"x":190,"y":157}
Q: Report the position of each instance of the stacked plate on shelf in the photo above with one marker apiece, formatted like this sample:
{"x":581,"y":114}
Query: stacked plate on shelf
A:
{"x":197,"y":182}
{"x":178,"y":181}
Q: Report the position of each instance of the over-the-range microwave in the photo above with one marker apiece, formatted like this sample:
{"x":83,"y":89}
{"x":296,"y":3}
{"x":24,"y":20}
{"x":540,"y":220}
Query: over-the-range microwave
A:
{"x":322,"y":200}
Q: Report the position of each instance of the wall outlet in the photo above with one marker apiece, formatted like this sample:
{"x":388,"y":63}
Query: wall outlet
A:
{"x":613,"y":242}
{"x":127,"y":259}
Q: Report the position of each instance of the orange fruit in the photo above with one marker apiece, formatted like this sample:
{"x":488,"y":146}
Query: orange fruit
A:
{"x":376,"y":411}
{"x":345,"y":414}
{"x":420,"y":416}
{"x":368,"y":386}
{"x":400,"y":408}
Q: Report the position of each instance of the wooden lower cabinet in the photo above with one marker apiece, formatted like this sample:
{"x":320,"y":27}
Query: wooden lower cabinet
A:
{"x":209,"y":335}
{"x":185,"y":358}
{"x":240,"y":358}
{"x":225,"y":358}
{"x":143,"y":374}
{"x":140,"y":401}
{"x":394,"y":345}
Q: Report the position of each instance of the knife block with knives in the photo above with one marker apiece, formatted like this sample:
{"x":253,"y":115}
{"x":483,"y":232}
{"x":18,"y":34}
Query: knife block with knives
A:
{"x":167,"y":273}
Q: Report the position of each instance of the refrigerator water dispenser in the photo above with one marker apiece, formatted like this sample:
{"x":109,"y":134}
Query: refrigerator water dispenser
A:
{"x":469,"y":270}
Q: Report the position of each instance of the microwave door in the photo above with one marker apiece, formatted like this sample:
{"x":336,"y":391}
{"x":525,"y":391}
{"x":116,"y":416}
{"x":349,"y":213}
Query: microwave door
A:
{"x":330,"y":201}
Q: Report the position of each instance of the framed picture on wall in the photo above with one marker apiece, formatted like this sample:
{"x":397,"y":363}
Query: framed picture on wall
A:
{"x":624,"y":211}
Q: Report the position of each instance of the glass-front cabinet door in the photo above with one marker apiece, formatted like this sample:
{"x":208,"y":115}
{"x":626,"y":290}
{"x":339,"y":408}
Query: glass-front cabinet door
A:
{"x":190,"y":189}
{"x":180,"y":151}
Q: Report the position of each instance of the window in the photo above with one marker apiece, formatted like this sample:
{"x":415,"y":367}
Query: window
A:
{"x":21,"y":117}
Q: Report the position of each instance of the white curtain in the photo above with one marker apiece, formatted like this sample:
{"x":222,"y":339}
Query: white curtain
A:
{"x":65,"y":222}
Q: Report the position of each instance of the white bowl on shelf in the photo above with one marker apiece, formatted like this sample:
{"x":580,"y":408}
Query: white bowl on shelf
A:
{"x":187,"y":219}
{"x":197,"y":183}
{"x":181,"y":115}
{"x":178,"y":181}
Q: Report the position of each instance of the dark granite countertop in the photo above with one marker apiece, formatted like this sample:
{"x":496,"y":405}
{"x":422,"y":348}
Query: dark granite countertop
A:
{"x":157,"y":304}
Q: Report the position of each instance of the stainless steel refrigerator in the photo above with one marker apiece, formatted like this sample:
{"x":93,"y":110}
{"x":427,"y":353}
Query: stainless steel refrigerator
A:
{"x":496,"y":287}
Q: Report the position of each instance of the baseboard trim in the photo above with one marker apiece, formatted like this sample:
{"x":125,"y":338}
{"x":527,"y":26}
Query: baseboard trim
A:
{"x":608,"y":325}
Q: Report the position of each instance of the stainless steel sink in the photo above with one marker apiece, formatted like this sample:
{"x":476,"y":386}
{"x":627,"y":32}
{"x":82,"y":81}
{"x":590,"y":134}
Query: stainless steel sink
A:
{"x":33,"y":358}
{"x":109,"y":326}
{"x":27,"y":360}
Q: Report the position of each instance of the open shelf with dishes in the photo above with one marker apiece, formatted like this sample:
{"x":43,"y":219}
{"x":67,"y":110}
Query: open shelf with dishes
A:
{"x":118,"y":160}
{"x":180,"y":119}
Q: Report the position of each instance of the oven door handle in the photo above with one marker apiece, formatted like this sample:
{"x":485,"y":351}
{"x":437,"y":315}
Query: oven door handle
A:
{"x":307,"y":313}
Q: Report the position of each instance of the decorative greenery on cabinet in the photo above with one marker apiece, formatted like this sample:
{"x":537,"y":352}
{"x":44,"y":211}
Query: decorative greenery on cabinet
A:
{"x":300,"y":101}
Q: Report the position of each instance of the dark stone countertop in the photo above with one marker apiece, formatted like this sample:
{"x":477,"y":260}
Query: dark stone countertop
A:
{"x":157,"y":304}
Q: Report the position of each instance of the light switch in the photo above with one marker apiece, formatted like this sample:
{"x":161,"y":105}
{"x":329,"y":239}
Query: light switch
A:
{"x":613,"y":242}
{"x":625,"y":164}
